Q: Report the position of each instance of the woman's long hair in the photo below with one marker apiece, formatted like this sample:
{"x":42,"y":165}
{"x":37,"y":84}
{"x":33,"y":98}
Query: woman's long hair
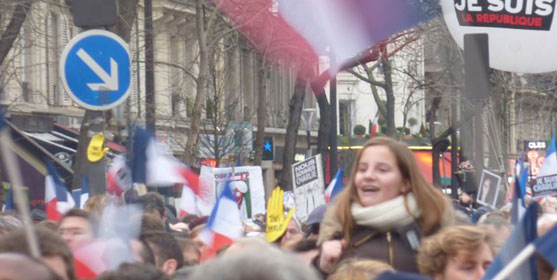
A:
{"x":432,"y":202}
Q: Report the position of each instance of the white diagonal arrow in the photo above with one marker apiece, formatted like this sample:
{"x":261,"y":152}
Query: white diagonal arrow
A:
{"x":110,"y":82}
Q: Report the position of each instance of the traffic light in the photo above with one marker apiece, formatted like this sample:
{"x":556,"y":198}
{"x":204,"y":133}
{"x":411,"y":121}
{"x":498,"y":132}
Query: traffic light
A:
{"x":268,"y":148}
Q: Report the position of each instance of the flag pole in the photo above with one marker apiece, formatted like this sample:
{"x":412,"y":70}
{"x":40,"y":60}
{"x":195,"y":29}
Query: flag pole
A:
{"x":12,"y":167}
{"x":516,"y":262}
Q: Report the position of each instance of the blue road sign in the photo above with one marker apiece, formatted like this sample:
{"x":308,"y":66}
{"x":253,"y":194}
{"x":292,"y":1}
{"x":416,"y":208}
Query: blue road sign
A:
{"x":95,"y":68}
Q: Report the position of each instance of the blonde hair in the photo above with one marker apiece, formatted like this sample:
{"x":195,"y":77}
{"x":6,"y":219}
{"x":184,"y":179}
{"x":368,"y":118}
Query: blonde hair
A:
{"x":432,"y":202}
{"x":436,"y":250}
{"x":95,"y":205}
{"x":355,"y":269}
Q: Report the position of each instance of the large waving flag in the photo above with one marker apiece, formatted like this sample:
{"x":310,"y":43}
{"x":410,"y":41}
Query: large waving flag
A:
{"x":188,"y":202}
{"x":521,"y":179}
{"x":335,"y":187}
{"x":224,"y":225}
{"x":57,"y":198}
{"x":298,"y":32}
{"x":154,"y":165}
{"x":9,"y":201}
{"x":524,"y":233}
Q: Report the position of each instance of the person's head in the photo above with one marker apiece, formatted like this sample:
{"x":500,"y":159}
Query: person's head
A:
{"x":355,"y":269}
{"x":275,"y":265}
{"x":497,"y":225}
{"x":190,"y":251}
{"x":383,"y":170}
{"x":246,"y":242}
{"x":55,"y":253}
{"x":134,"y":271}
{"x":188,"y":218}
{"x":465,"y":199}
{"x":292,"y":235}
{"x":152,"y":203}
{"x":77,"y":228}
{"x":194,"y":235}
{"x":95,"y":205}
{"x":545,"y":222}
{"x":458,"y":252}
{"x":38,"y":215}
{"x":549,"y":205}
{"x":21,"y":267}
{"x":9,"y":223}
{"x":141,"y":252}
{"x":49,"y":224}
{"x":168,"y":255}
{"x":150,"y":222}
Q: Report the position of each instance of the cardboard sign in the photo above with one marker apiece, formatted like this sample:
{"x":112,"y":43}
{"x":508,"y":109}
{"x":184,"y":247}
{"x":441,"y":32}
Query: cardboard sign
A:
{"x":515,"y":29}
{"x":545,"y":186}
{"x":246,"y":183}
{"x":488,"y":190}
{"x":307,"y":180}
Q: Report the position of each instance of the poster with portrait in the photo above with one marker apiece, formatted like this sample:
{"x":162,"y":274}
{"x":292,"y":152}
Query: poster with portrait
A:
{"x":246,"y":183}
{"x":488,"y":190}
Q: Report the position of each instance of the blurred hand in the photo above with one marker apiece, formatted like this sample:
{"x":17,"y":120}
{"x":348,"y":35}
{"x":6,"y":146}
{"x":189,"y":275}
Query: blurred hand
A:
{"x":330,"y":254}
{"x":276,"y":222}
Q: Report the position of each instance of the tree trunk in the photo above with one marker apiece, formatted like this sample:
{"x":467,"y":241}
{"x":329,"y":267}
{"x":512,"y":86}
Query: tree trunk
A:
{"x":324,"y":128}
{"x":12,"y":30}
{"x":189,"y":153}
{"x":296,"y":104}
{"x":387,"y":72}
{"x":261,"y":111}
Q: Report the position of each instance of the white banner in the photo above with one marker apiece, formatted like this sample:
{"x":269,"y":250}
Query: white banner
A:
{"x":308,"y":185}
{"x":246,"y":183}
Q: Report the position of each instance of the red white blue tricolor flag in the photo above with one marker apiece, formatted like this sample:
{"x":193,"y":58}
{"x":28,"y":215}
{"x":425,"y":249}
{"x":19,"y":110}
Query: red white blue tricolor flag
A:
{"x":224,"y":225}
{"x":57,"y":198}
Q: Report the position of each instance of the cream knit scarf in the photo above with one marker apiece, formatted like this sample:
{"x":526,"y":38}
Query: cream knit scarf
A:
{"x":387,"y":215}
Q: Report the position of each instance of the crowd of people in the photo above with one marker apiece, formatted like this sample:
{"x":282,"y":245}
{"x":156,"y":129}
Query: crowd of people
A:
{"x":387,"y":223}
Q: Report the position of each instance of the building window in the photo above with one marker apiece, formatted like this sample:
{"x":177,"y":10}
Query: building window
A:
{"x":344,"y":113}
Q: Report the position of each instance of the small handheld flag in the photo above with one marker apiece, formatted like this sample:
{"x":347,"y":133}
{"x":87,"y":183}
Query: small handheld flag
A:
{"x":335,"y":187}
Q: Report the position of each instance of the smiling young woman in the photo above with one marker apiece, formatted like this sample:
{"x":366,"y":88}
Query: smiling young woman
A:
{"x":383,"y":212}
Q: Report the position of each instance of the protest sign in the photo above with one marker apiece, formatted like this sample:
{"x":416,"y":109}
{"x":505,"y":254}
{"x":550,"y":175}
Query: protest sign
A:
{"x":514,"y":28}
{"x":246,"y":183}
{"x":308,"y":185}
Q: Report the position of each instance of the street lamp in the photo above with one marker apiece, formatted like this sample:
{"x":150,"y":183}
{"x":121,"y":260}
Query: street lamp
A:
{"x":307,"y":117}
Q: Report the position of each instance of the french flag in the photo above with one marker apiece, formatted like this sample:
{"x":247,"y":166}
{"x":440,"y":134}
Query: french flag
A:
{"x":57,"y":198}
{"x":119,"y":176}
{"x":549,"y":166}
{"x":9,"y":201}
{"x":374,"y":125}
{"x":335,"y":187}
{"x":224,"y":225}
{"x":84,"y":196}
{"x":524,"y":233}
{"x":299,"y":31}
{"x":188,"y":200}
{"x":154,"y":165}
